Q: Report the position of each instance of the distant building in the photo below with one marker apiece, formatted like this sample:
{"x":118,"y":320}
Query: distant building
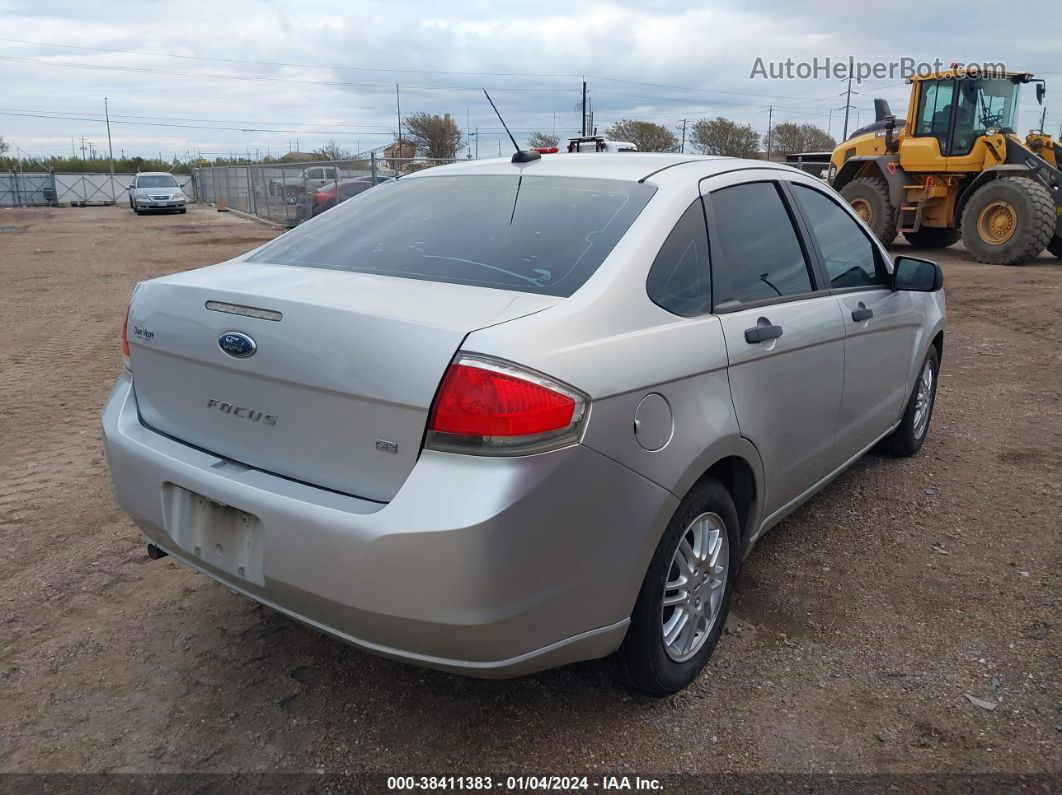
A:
{"x":299,"y":157}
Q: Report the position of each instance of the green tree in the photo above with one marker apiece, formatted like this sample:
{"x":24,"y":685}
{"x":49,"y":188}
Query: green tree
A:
{"x":787,"y":138}
{"x":721,"y":136}
{"x":542,"y":140}
{"x":332,"y":151}
{"x":433,"y":135}
{"x":645,"y":135}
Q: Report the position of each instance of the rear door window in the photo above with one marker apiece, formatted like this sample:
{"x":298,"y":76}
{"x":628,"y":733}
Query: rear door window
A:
{"x":534,"y":234}
{"x":761,"y":256}
{"x":678,"y":280}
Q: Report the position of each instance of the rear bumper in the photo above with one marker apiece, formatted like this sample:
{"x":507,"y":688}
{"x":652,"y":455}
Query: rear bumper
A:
{"x":486,"y":567}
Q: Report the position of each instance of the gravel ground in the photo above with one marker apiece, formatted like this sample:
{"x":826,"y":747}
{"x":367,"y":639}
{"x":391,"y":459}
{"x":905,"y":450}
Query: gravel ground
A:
{"x":860,"y":625}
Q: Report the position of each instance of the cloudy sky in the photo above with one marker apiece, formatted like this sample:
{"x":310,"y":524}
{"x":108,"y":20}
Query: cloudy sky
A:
{"x":258,"y":76}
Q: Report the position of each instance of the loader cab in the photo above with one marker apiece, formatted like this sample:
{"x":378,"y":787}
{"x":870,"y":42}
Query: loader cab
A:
{"x":950,"y":114}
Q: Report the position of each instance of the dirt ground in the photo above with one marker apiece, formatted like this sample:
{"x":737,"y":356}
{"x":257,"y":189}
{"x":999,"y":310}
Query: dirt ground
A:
{"x":859,"y":627}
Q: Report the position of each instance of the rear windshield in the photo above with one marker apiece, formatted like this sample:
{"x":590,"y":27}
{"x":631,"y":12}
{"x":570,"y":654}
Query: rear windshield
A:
{"x":534,"y":234}
{"x":160,"y":181}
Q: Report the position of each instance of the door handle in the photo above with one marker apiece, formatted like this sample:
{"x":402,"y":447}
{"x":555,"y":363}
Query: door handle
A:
{"x":762,"y":334}
{"x":861,"y":314}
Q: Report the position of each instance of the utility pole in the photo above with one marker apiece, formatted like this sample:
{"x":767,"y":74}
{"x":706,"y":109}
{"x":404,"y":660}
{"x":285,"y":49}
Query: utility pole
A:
{"x":477,"y":143}
{"x":682,"y":149}
{"x":847,"y":106}
{"x":584,"y":110}
{"x":82,"y":147}
{"x":398,"y":106}
{"x":110,"y":149}
{"x":829,"y":124}
{"x":770,"y":116}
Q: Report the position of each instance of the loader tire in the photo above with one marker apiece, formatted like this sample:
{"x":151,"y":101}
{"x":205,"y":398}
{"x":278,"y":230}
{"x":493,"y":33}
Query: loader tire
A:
{"x":933,"y":237}
{"x":1008,"y":221}
{"x":1055,"y":246}
{"x":869,"y":197}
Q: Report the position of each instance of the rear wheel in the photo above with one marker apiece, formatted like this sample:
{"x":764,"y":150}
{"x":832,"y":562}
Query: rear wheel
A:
{"x":1055,"y":246}
{"x":685,"y":597}
{"x":933,"y":237}
{"x":869,"y":197}
{"x":1009,"y":221}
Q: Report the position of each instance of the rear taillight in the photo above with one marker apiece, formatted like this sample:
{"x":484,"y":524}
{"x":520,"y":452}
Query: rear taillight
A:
{"x":125,"y":341}
{"x":489,"y":407}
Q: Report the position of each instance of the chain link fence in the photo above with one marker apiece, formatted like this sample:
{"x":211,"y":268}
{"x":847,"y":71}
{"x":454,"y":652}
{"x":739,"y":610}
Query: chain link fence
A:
{"x":52,"y":189}
{"x":290,"y":193}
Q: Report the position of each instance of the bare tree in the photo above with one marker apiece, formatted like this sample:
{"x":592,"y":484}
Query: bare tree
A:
{"x":433,"y":135}
{"x":721,"y":136}
{"x":542,"y":140}
{"x":332,"y":151}
{"x":645,"y":135}
{"x":4,"y":146}
{"x":787,"y":137}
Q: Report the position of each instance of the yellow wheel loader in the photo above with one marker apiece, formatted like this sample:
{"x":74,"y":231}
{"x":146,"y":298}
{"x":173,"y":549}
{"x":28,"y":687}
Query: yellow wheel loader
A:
{"x":955,"y":168}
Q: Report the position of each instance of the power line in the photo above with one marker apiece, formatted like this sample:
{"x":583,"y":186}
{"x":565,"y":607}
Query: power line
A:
{"x":555,"y":75}
{"x":288,"y":64}
{"x":260,"y":78}
{"x":55,"y":117}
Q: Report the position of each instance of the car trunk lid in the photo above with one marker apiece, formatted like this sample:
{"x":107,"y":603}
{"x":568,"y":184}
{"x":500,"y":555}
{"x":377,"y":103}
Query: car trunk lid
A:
{"x":344,"y":366}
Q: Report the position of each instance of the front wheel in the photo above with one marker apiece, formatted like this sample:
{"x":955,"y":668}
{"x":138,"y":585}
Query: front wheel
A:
{"x":908,"y":438}
{"x":1008,"y":221}
{"x":685,"y":596}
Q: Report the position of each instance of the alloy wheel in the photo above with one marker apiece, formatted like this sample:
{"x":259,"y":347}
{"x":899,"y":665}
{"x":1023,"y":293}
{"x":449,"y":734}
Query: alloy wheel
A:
{"x":923,"y":400}
{"x":696,"y":582}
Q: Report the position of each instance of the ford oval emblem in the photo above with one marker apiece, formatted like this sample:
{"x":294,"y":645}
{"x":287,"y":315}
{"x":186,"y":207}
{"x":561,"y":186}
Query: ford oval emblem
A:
{"x":236,"y":344}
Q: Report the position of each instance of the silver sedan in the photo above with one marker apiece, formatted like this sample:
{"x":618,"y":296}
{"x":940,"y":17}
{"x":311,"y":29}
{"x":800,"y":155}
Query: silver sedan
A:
{"x":500,"y":416}
{"x":156,"y":191}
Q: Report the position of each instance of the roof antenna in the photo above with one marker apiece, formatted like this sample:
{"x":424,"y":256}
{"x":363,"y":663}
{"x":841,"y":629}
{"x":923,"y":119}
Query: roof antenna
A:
{"x":520,"y":156}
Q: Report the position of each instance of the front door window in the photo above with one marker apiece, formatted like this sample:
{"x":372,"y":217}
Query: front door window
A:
{"x":934,"y":111}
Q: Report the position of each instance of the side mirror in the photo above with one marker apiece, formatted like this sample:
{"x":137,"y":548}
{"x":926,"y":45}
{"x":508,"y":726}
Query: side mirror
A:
{"x":916,"y":275}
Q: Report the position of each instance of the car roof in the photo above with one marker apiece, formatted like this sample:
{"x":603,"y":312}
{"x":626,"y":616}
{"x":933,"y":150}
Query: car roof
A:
{"x":631,"y":166}
{"x":154,"y":174}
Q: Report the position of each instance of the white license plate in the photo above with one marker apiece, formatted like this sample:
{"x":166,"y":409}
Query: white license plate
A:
{"x":222,"y":536}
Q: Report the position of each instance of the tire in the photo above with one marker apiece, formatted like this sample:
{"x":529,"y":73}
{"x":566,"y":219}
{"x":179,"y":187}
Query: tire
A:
{"x":183,"y":210}
{"x":138,"y":211}
{"x":908,"y":438}
{"x":933,"y":237}
{"x":1031,"y":227}
{"x":644,"y":660}
{"x":871,"y":194}
{"x":1055,"y":246}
